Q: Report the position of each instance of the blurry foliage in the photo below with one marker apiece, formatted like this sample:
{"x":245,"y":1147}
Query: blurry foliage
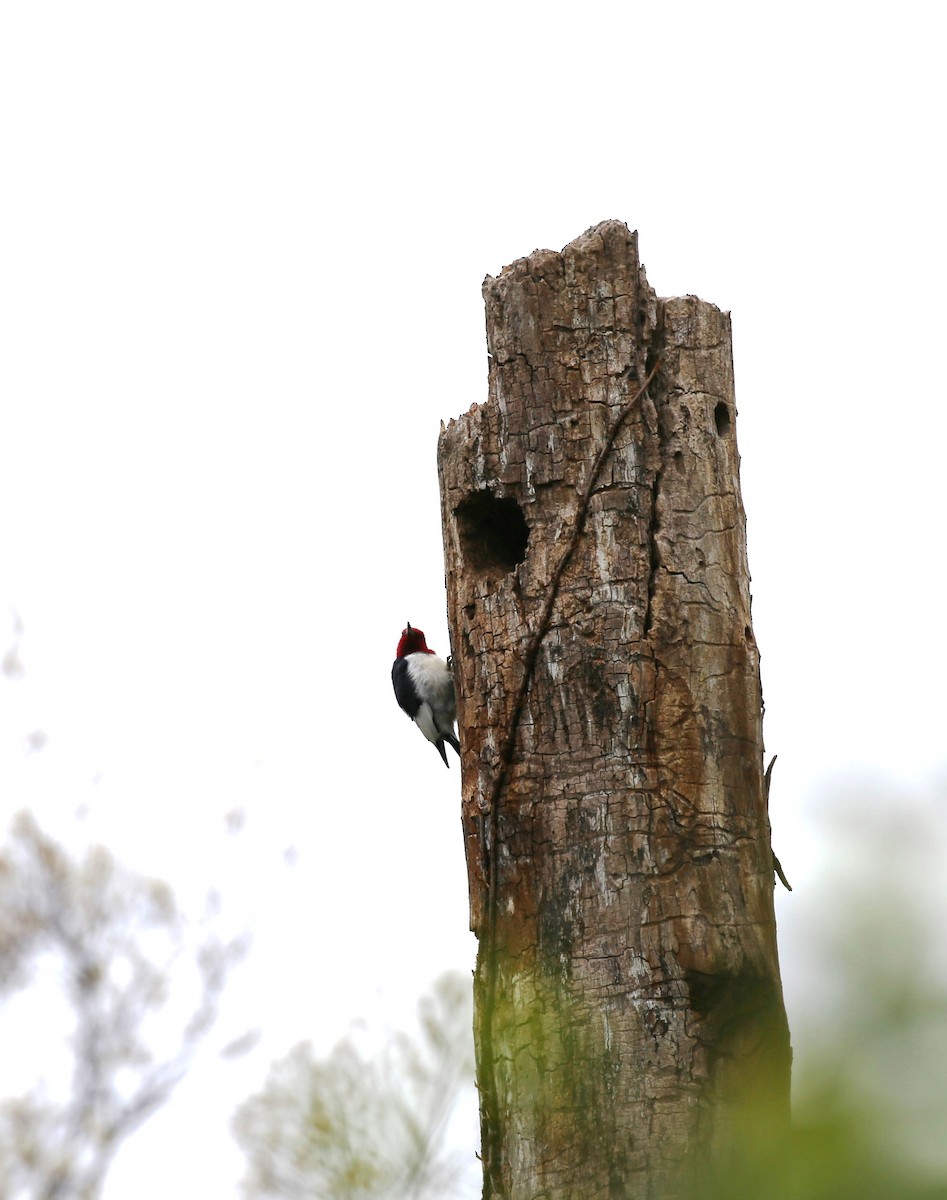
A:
{"x":114,"y":946}
{"x":830,"y":1153}
{"x":870,"y":1097}
{"x":357,"y":1126}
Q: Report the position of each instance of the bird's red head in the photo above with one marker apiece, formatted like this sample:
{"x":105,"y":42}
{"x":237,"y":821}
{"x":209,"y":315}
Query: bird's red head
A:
{"x":412,"y":642}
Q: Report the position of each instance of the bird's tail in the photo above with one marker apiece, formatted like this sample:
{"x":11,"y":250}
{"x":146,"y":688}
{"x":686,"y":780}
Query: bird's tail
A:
{"x":447,"y":737}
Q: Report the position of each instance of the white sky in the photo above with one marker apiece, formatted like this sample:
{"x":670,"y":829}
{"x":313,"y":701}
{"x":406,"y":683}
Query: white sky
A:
{"x":241,"y":249}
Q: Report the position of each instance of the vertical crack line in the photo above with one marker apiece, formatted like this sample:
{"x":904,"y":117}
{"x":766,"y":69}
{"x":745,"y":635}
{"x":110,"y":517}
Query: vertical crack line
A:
{"x":654,"y":554}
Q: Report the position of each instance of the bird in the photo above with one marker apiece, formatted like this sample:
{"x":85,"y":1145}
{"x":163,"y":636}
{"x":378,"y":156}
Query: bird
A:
{"x":424,"y":687}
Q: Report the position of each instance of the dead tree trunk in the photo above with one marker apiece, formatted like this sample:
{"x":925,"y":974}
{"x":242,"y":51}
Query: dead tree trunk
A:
{"x":628,"y":1000}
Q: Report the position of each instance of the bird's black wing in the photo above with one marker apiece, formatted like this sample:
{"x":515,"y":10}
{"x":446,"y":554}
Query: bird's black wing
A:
{"x":405,"y":692}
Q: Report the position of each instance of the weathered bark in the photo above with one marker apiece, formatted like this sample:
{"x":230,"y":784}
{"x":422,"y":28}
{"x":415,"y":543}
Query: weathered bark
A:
{"x":628,"y":1001}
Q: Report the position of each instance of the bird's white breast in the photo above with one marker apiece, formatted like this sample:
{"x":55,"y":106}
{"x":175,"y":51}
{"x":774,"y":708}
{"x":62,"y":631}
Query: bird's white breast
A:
{"x":433,"y":681}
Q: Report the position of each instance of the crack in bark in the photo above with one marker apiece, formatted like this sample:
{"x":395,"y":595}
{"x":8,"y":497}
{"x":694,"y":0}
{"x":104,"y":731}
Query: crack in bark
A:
{"x":654,"y":554}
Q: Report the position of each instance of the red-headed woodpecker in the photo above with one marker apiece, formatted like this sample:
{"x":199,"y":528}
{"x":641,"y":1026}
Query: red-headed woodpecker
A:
{"x":424,"y":687}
